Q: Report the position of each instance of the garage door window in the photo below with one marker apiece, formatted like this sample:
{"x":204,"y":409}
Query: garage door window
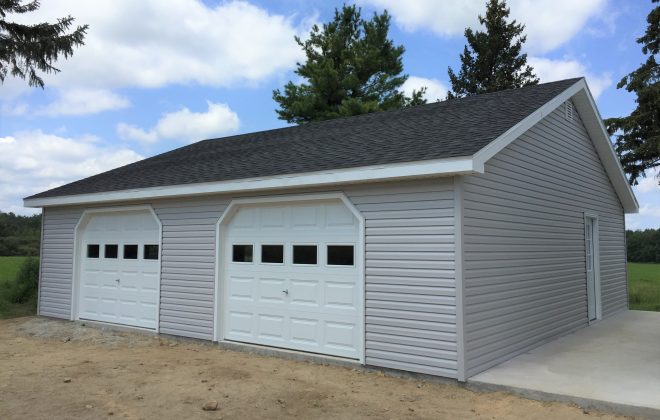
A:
{"x":341,"y":255}
{"x":130,"y":252}
{"x":111,"y":251}
{"x":305,"y":254}
{"x":151,"y":252}
{"x":272,"y":254}
{"x":242,"y":253}
{"x":92,"y":251}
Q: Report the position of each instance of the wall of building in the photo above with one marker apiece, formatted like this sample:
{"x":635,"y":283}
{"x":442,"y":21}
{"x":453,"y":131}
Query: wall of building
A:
{"x":410,"y":296}
{"x":523,"y":242}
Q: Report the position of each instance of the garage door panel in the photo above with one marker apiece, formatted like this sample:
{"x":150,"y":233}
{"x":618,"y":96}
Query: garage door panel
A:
{"x":270,"y":290}
{"x":119,"y":290}
{"x":308,"y":307}
{"x":340,"y":295}
{"x":304,"y":293}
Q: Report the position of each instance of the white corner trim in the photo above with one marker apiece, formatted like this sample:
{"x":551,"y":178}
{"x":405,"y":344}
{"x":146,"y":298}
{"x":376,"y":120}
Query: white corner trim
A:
{"x":462,"y":165}
{"x":75,"y":287}
{"x":230,"y":211}
{"x":586,"y":108}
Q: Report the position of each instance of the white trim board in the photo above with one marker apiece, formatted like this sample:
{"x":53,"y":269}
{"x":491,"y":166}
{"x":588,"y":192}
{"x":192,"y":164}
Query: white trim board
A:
{"x":390,"y":172}
{"x":578,"y":92}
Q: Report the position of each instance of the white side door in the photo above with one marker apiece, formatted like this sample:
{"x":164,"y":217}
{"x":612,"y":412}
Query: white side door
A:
{"x":119,"y":269}
{"x":590,"y":248}
{"x":292,"y":278}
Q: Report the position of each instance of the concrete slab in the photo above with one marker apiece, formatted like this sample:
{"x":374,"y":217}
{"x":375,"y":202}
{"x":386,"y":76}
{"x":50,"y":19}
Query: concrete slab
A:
{"x":615,"y":362}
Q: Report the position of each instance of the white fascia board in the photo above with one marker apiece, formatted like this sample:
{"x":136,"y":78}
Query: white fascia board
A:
{"x":586,"y":107}
{"x":451,"y":166}
{"x":593,"y":122}
{"x":506,"y":138}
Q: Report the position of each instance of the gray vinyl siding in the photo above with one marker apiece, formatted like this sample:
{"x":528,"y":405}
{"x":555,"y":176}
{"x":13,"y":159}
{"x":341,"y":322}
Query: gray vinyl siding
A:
{"x":523,"y":242}
{"x":188,"y":265}
{"x":57,"y":261}
{"x":409,"y":252}
{"x":410,"y":283}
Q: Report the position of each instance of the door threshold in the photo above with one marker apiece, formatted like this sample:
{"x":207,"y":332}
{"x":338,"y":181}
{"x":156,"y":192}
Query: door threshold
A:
{"x":115,"y":326}
{"x":289,"y":354}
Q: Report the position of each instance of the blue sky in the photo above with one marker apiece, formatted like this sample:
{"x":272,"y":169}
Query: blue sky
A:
{"x":159,"y":74}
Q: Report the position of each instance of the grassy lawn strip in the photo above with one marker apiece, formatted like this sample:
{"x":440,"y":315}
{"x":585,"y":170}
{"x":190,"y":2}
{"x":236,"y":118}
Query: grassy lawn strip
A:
{"x":9,"y":268}
{"x":644,"y":286}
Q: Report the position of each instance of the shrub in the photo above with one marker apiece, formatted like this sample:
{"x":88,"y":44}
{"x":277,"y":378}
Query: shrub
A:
{"x":27,"y":282}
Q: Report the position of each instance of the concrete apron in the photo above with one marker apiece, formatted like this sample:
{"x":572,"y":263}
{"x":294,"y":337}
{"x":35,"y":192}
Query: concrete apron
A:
{"x":613,"y":365}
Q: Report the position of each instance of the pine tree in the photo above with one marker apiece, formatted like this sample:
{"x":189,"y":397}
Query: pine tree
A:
{"x":637,"y":136}
{"x":26,"y":49}
{"x":492,"y":60}
{"x":351,"y":68}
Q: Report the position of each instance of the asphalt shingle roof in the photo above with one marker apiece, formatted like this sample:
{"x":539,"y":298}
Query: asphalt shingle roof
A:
{"x":454,"y":128}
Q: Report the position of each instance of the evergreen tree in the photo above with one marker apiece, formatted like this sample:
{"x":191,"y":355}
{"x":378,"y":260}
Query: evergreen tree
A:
{"x":351,"y":68}
{"x":637,"y":136}
{"x":26,"y":49}
{"x":492,"y":60}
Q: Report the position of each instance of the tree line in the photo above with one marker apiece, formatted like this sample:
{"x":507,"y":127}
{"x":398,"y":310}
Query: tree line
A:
{"x":19,"y":235}
{"x":643,"y":245}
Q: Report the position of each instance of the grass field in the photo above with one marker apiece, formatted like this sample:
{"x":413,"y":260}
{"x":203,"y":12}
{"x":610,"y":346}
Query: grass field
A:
{"x":644,"y":286}
{"x":9,"y":267}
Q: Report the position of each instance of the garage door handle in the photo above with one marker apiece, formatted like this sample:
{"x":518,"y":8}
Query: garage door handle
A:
{"x":286,"y":291}
{"x":117,"y":280}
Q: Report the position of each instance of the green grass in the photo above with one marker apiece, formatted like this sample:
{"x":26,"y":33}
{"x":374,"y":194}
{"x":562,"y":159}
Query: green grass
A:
{"x":644,"y":286}
{"x":9,"y":267}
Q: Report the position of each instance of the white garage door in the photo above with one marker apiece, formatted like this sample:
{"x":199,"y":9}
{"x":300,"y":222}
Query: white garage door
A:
{"x":292,"y":277}
{"x":120,"y":269}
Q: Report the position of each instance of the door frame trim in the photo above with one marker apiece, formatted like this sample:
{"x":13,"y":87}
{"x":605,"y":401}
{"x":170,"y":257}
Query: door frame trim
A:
{"x":77,"y":247}
{"x":596,"y":244}
{"x":236,"y":204}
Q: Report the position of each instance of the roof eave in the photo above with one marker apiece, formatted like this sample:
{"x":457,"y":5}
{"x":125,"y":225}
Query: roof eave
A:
{"x":388,"y":172}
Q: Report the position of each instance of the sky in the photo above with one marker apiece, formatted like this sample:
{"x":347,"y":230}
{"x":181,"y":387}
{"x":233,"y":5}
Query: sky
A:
{"x":154,"y":75}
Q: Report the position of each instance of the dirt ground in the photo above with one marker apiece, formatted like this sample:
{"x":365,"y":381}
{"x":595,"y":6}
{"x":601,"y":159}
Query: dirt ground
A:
{"x":60,"y":370}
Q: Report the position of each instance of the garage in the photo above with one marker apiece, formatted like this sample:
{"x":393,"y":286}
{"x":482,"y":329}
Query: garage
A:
{"x":292,"y":276}
{"x":119,"y":268}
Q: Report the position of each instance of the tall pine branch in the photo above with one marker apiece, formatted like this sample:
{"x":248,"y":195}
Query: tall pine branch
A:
{"x":637,"y":136}
{"x":26,"y":50}
{"x":351,"y":68}
{"x":492,"y":59}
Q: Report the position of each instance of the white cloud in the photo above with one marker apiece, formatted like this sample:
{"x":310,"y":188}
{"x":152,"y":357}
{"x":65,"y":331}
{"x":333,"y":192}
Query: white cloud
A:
{"x":648,"y":196}
{"x":84,"y":101}
{"x":151,"y":43}
{"x":34,"y":161}
{"x":649,"y":184}
{"x":13,"y":109}
{"x":550,"y":70}
{"x":434,"y":88}
{"x":548,"y":23}
{"x":185,"y":125}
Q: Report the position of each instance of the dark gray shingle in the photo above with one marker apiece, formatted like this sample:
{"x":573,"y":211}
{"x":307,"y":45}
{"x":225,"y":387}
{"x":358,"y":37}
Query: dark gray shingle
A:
{"x":459,"y":127}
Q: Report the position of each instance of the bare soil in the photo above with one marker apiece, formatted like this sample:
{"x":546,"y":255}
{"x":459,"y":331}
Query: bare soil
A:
{"x":61,"y":370}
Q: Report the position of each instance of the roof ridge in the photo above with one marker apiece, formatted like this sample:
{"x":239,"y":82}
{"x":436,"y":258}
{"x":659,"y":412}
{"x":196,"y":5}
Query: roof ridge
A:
{"x":393,"y":110}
